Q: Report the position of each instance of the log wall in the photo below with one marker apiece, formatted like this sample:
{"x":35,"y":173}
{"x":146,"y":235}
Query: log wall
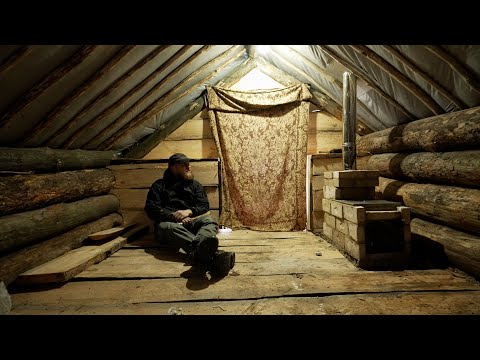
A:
{"x":50,"y":201}
{"x":433,"y":166}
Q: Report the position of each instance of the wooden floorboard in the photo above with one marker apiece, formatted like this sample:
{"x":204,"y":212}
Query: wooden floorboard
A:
{"x":275,"y":273}
{"x":407,"y":303}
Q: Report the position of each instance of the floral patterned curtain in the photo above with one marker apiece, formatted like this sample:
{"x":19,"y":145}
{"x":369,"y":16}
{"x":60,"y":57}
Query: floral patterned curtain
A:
{"x":261,"y":137}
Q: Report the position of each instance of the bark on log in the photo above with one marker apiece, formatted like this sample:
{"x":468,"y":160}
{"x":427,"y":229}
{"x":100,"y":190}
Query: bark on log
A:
{"x":27,"y":192}
{"x":52,"y":160}
{"x":25,"y":259}
{"x":19,"y":230}
{"x":450,"y":205}
{"x":461,"y":168}
{"x":461,"y":249}
{"x":452,"y":131}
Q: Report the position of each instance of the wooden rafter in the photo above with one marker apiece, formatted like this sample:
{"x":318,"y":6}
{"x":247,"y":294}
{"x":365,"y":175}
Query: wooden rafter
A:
{"x":52,"y":116}
{"x":428,"y":79}
{"x":366,"y":78}
{"x":50,"y":79}
{"x":13,"y":59}
{"x":119,"y":103}
{"x":123,"y":79}
{"x":188,"y":112}
{"x":337,"y":84}
{"x":140,"y":102}
{"x":403,"y":80}
{"x":319,"y":88}
{"x":240,"y":71}
{"x":231,"y":55}
{"x":166,"y":129}
{"x":456,"y":65}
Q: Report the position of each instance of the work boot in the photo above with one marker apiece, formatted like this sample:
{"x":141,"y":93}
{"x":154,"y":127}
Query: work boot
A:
{"x":222,"y":263}
{"x":204,"y":250}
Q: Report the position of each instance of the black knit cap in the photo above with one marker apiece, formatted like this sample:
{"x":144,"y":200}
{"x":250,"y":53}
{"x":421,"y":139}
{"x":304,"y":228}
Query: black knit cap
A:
{"x":178,"y":158}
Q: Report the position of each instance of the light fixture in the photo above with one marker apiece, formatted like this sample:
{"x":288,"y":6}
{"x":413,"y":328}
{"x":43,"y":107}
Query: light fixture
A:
{"x":261,"y":49}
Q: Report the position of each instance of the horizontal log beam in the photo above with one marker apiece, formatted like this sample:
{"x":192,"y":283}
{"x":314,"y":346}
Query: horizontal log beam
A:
{"x":460,"y":168}
{"x":450,"y":205}
{"x":461,"y":249}
{"x":20,"y":193}
{"x":22,"y":229}
{"x":32,"y":256}
{"x":52,"y":160}
{"x":452,"y":131}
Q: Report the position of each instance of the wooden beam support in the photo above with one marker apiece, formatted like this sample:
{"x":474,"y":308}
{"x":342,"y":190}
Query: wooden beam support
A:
{"x":13,"y":59}
{"x":29,"y":227}
{"x":103,"y":134}
{"x":52,"y":160}
{"x":65,"y":267}
{"x":241,"y":70}
{"x":403,"y":80}
{"x":458,"y":168}
{"x":32,"y":256}
{"x":231,"y":55}
{"x":52,"y":116}
{"x":98,"y":120}
{"x":20,"y":193}
{"x":461,"y":249}
{"x":152,"y":140}
{"x":366,"y":78}
{"x":75,"y":121}
{"x":452,"y":131}
{"x":50,"y":79}
{"x":450,"y":205}
{"x":428,"y":79}
{"x":456,"y":66}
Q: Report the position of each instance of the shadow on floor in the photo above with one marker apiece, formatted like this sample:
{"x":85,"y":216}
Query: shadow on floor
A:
{"x":198,"y":278}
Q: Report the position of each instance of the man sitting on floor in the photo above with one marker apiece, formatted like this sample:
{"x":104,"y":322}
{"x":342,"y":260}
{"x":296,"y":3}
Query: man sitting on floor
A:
{"x":179,"y":207}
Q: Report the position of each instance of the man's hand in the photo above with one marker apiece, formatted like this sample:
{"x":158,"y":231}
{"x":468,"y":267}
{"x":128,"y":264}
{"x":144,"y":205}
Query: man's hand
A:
{"x":179,"y":215}
{"x":187,"y":221}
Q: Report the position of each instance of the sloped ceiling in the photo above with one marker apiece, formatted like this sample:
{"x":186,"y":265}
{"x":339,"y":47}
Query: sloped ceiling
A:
{"x":113,"y":96}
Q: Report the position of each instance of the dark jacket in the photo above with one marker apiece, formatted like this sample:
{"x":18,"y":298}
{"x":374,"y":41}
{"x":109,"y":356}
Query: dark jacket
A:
{"x":169,"y":194}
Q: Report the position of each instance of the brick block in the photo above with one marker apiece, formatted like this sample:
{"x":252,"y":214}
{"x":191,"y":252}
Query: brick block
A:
{"x":355,"y":250}
{"x":326,"y":205}
{"x":341,"y":226}
{"x":354,"y":214}
{"x":356,"y":232}
{"x":327,"y":231}
{"x":339,"y":239}
{"x":328,"y":175}
{"x":329,"y":219}
{"x":336,"y":209}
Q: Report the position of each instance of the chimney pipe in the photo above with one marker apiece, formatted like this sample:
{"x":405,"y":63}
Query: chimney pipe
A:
{"x":349,"y":121}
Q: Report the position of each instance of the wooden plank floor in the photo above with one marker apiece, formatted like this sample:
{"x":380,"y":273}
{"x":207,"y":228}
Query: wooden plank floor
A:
{"x":275,"y":273}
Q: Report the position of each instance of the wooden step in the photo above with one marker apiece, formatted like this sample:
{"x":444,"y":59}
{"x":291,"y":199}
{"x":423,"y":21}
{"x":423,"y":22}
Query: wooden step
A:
{"x":65,"y":267}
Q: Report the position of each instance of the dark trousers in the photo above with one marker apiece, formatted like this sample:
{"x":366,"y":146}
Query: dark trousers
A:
{"x":185,"y":237}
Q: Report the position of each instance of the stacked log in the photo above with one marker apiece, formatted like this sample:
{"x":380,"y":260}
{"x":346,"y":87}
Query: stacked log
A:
{"x":50,"y":201}
{"x":433,"y":166}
